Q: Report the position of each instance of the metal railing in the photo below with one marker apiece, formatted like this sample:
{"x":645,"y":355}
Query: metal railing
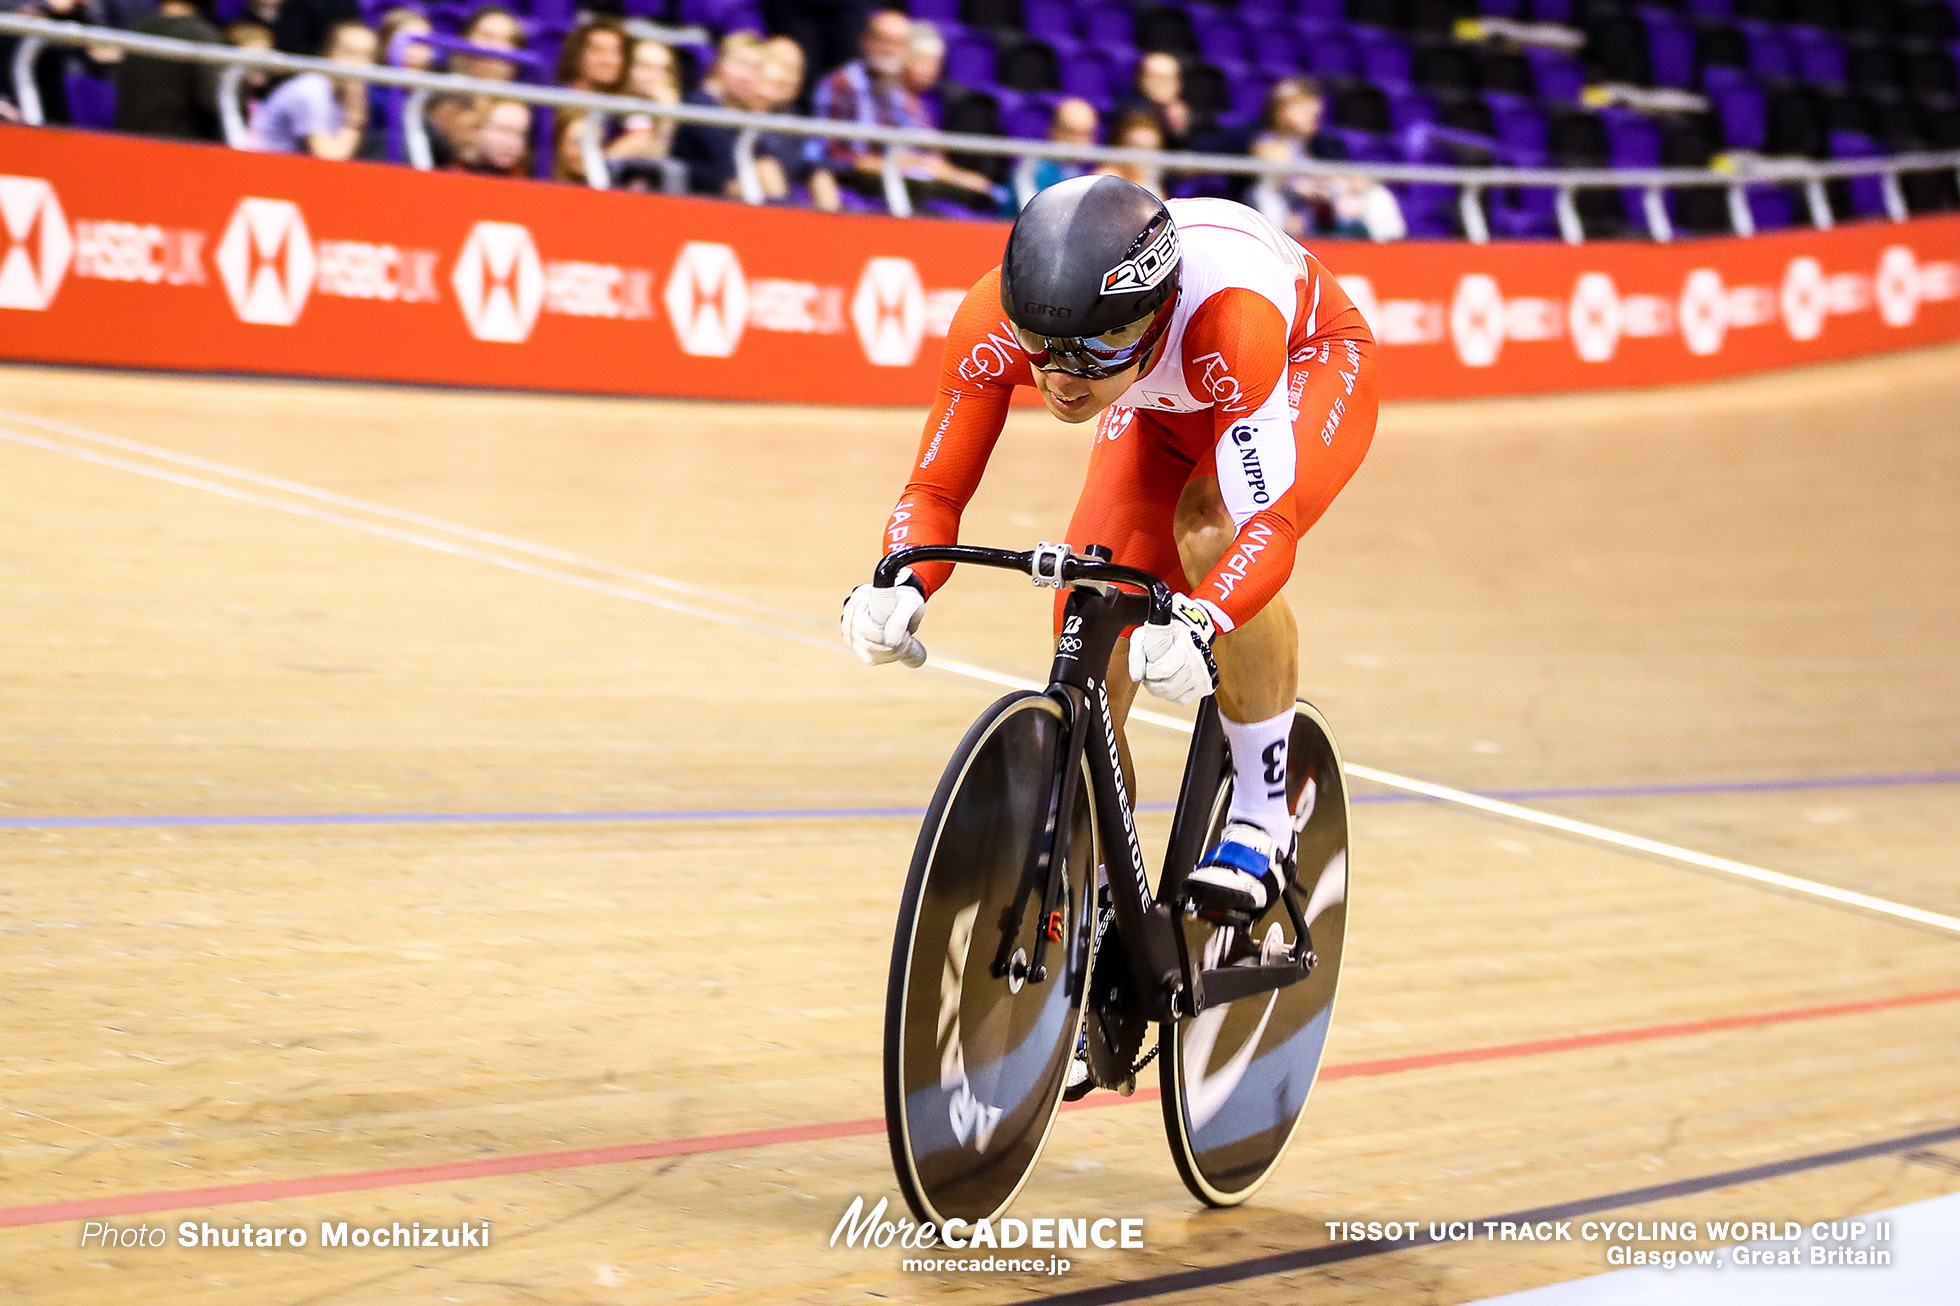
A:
{"x":1470,"y":183}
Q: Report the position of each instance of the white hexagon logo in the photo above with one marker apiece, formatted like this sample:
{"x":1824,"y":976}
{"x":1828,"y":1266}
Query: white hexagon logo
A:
{"x":889,"y":312}
{"x":38,"y":243}
{"x":499,"y":282}
{"x":1805,"y":299}
{"x":708,"y":299}
{"x":1704,"y":312}
{"x":1477,"y":320}
{"x":266,"y":261}
{"x":1897,"y":287}
{"x":1594,"y":317}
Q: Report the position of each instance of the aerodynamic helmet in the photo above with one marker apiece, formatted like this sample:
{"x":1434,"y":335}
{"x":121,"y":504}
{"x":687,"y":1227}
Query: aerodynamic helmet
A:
{"x":1090,"y":276}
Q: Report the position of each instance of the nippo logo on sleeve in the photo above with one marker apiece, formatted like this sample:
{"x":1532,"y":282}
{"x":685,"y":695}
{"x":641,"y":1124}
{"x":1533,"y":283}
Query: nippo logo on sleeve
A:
{"x":266,"y":261}
{"x":1145,"y":268}
{"x":499,"y":282}
{"x":708,"y":299}
{"x":38,"y":243}
{"x":889,"y":311}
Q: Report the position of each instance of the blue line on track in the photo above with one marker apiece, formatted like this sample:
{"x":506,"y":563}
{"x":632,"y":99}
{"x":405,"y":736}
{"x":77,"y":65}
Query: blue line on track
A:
{"x":913,"y":813}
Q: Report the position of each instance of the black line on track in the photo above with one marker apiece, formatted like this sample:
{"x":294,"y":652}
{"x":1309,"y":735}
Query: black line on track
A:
{"x":1334,"y":1253}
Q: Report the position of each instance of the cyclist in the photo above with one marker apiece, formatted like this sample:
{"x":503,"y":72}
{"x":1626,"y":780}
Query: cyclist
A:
{"x":1233,"y":386}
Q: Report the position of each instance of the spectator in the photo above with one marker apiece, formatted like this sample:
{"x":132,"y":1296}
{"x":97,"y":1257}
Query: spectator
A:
{"x":456,"y":118}
{"x":708,"y":152}
{"x":595,"y":57}
{"x":925,"y":60}
{"x":784,"y":162}
{"x":1160,"y":94}
{"x":1138,"y":131}
{"x":652,"y":74}
{"x":1074,"y":122}
{"x":406,"y":24}
{"x":497,"y":139}
{"x":568,"y":147}
{"x":165,"y":97}
{"x":251,"y":34}
{"x":492,"y":27}
{"x":54,"y":63}
{"x":318,"y":115}
{"x":872,"y":90}
{"x":302,"y":26}
{"x":1306,"y":206}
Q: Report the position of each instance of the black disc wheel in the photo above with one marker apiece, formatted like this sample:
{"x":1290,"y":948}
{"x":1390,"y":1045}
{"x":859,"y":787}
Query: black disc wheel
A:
{"x":977,"y":1048}
{"x":1236,"y":1077}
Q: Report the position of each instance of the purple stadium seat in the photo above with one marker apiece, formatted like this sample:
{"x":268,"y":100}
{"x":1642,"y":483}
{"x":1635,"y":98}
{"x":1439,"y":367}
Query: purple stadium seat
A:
{"x":1277,"y":53}
{"x":1740,"y":107}
{"x":1326,"y":13}
{"x":91,"y":100}
{"x":932,"y":11}
{"x":1330,"y":52}
{"x":1248,"y":100}
{"x":1090,"y":77}
{"x":1106,"y":25}
{"x":1713,"y":9}
{"x":1221,"y":40}
{"x":1559,"y":75}
{"x":1670,"y":48}
{"x":1551,"y":11}
{"x":1867,"y":193}
{"x":1264,"y":14}
{"x":1385,"y":58}
{"x":1770,"y":55}
{"x":1429,"y":208}
{"x":1407,"y":109}
{"x":1770,"y":206}
{"x":969,"y":59}
{"x":1522,"y":134}
{"x":1027,"y":120}
{"x":1502,"y":9}
{"x":1820,"y":56}
{"x":1048,"y":19}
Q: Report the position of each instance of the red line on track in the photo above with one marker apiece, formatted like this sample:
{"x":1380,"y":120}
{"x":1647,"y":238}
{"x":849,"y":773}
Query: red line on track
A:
{"x":276,"y":1189}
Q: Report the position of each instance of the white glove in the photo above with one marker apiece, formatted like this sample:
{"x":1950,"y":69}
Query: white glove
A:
{"x":1174,"y":661}
{"x":878,"y":623}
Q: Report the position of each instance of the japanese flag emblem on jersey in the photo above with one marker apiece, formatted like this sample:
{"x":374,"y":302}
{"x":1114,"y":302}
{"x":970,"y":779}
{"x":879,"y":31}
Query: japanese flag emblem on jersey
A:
{"x":1145,"y":268}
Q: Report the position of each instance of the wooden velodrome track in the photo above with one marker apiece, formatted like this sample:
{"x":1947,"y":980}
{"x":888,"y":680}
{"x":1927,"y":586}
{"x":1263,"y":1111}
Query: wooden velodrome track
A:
{"x":1633,"y":607}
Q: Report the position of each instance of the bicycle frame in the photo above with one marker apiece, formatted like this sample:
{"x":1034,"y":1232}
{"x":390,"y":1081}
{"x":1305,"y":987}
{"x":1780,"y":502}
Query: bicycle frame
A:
{"x":1093,"y":618}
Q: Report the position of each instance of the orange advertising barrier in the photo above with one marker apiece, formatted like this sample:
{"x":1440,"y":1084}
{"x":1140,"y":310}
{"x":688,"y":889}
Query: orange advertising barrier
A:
{"x":134,"y":252}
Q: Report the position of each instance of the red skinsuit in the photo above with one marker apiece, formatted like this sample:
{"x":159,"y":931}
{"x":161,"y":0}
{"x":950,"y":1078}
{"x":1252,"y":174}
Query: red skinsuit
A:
{"x":1265,"y":380}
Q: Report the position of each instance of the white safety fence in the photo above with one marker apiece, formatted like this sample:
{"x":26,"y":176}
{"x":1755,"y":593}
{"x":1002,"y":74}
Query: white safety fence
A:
{"x":1470,"y":183}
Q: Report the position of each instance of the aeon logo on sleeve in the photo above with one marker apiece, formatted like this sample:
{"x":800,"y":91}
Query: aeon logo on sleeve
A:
{"x":707,"y":299}
{"x":499,"y":282}
{"x":38,"y":244}
{"x":266,"y":261}
{"x":889,"y":312}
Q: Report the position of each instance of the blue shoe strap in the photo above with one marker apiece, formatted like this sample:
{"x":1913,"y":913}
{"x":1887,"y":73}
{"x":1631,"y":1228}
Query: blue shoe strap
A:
{"x":1240,"y":858}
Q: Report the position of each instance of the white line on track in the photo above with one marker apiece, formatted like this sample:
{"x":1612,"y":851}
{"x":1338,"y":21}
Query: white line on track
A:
{"x":1407,"y":784}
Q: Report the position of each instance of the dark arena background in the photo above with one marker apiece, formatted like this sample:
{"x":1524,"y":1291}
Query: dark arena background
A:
{"x":447,"y":855}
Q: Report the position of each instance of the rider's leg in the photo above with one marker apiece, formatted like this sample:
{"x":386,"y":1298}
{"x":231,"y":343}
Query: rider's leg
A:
{"x":1258,"y":670}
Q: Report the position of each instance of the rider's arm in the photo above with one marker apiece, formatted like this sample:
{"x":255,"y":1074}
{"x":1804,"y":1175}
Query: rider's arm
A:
{"x":979,"y":369}
{"x":1235,"y":355}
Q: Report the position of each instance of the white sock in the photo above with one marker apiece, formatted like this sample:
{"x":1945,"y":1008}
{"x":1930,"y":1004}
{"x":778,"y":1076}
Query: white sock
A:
{"x":1259,"y":774}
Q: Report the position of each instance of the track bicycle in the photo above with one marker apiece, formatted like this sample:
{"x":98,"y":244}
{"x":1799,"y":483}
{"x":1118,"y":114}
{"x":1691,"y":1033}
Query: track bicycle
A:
{"x":1029,"y":927}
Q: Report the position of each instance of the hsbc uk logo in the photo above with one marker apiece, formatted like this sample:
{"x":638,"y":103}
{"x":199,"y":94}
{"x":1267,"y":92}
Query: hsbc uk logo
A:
{"x":889,"y":312}
{"x":499,"y":282}
{"x":266,"y":261}
{"x":707,"y":299}
{"x":34,"y":256}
